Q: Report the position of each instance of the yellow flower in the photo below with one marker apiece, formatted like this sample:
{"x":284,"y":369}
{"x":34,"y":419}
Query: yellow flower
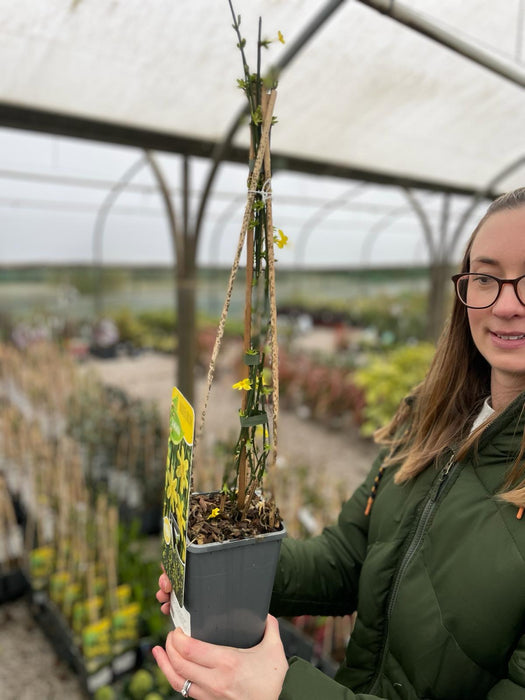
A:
{"x":182,"y":469}
{"x":181,"y":524}
{"x":280,"y":37}
{"x":171,"y":491}
{"x":243,"y":385}
{"x":281,"y":240}
{"x":215,"y":512}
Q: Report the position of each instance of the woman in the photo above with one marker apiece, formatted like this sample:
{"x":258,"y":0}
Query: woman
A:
{"x":430,"y":551}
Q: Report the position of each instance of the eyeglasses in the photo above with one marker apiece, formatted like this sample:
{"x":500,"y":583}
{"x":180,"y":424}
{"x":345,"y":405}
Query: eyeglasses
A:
{"x":479,"y":291}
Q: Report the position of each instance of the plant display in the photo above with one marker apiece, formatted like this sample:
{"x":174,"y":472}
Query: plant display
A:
{"x":320,"y":389}
{"x":91,"y":590}
{"x":124,"y":441}
{"x":388,"y":378}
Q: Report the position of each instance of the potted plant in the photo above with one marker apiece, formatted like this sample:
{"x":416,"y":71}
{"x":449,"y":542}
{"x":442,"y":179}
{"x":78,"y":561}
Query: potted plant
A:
{"x":220,"y":549}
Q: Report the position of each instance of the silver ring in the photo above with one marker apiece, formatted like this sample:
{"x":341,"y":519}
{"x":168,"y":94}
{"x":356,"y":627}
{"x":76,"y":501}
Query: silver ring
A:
{"x":185,"y":692}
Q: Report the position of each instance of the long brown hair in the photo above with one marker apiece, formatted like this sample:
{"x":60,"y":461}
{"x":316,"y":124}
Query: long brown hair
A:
{"x":444,"y":405}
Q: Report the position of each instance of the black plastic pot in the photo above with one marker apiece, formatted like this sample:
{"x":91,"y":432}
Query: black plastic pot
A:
{"x":13,"y":585}
{"x":228,"y":587}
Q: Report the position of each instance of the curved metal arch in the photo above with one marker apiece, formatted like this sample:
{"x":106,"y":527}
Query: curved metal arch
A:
{"x":423,"y":218}
{"x":482,"y":194}
{"x":100,"y":223}
{"x":377,"y":228}
{"x":218,"y":229}
{"x":319,"y":215}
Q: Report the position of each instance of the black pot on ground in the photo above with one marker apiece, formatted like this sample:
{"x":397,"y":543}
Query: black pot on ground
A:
{"x":13,"y":584}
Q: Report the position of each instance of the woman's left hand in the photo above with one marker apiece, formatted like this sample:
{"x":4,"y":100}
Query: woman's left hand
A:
{"x":225,"y":673}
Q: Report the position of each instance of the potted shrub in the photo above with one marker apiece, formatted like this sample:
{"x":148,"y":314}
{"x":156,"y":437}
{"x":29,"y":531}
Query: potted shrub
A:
{"x":220,"y":549}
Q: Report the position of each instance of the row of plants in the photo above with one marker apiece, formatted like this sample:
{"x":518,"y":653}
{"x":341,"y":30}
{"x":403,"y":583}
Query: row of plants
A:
{"x":124,"y":443}
{"x":91,"y":579}
{"x":90,"y":588}
{"x":337,"y":394}
{"x":400,"y":317}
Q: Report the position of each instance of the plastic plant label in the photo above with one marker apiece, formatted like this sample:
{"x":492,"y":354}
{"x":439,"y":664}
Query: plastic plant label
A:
{"x":125,"y":627}
{"x":96,"y":644}
{"x":85,"y":610}
{"x":177,"y":491}
{"x":180,"y":616}
{"x":41,"y":561}
{"x":124,"y":595}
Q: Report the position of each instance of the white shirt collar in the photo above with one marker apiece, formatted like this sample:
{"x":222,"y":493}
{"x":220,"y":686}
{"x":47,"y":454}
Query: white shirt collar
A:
{"x":486,"y":412}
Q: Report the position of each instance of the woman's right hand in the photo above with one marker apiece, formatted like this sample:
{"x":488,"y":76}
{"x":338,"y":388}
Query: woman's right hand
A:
{"x":163,"y":594}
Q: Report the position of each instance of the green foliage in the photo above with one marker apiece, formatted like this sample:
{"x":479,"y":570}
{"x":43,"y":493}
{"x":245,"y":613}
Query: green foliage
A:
{"x":140,"y":684}
{"x":106,"y":692}
{"x":148,"y":329}
{"x":87,"y":280}
{"x":403,"y":316}
{"x":388,"y":378}
{"x":395,"y":317}
{"x":162,"y":682}
{"x":130,"y":329}
{"x":142,"y":575}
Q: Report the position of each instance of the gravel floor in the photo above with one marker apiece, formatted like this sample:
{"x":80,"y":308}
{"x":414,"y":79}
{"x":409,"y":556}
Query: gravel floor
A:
{"x":29,"y":667}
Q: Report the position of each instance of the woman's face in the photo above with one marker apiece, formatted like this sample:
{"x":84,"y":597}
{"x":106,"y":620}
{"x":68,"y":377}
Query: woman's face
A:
{"x":499,"y":331}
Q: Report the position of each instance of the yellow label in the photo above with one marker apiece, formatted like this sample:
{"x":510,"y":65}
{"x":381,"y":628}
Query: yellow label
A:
{"x":96,"y":639}
{"x":125,"y":623}
{"x":185,"y":414}
{"x":123,"y":594}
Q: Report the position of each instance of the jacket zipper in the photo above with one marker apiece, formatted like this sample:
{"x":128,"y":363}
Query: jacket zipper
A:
{"x":414,"y":545}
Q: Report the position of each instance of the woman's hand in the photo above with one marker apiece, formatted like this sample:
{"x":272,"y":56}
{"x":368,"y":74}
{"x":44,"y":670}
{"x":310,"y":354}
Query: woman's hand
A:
{"x":224,"y":673}
{"x":163,"y":594}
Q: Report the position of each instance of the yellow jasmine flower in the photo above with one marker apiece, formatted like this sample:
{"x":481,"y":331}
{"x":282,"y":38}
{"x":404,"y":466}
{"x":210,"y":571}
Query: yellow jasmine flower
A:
{"x":181,"y":544}
{"x":243,"y":385}
{"x":171,"y":491}
{"x":280,"y":37}
{"x":182,"y":469}
{"x":281,"y":240}
{"x":215,"y":512}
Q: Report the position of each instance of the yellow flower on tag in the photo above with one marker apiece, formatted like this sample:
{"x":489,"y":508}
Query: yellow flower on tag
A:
{"x":243,"y":385}
{"x":280,"y":37}
{"x":182,"y":468}
{"x":171,"y":491}
{"x":215,"y":512}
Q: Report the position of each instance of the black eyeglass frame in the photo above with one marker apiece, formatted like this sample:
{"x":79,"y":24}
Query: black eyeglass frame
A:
{"x":514,"y":282}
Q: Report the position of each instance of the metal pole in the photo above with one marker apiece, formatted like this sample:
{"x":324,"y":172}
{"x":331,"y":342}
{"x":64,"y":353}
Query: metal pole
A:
{"x":427,"y":26}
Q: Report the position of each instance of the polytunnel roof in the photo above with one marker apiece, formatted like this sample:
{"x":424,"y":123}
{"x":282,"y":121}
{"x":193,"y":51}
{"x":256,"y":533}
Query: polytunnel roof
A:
{"x":365,"y":97}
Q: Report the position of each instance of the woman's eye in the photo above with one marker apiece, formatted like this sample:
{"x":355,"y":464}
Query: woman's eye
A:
{"x":483,"y":279}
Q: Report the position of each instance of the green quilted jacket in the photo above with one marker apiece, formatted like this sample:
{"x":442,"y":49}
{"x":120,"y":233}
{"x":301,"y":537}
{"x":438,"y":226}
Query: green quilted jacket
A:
{"x":436,"y":573}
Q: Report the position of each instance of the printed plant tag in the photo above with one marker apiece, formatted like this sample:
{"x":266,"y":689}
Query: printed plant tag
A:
{"x":125,"y":627}
{"x":177,"y":491}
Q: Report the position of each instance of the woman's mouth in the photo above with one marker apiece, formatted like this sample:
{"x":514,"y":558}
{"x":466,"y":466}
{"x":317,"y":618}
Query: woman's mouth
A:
{"x":508,"y":339}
